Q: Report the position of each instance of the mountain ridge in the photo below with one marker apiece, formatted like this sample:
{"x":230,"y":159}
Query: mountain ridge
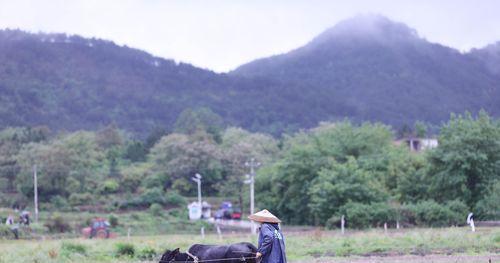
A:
{"x":70,"y":82}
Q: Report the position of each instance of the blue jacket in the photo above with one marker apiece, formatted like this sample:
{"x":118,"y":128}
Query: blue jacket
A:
{"x":271,"y":244}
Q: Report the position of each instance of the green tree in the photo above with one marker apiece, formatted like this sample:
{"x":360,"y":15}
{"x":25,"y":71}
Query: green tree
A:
{"x":342,"y":183}
{"x":178,"y":157}
{"x":109,"y":137}
{"x":412,"y":183}
{"x":11,"y":141}
{"x":66,"y":165}
{"x":135,"y":151}
{"x":286,"y":185}
{"x":238,"y":146}
{"x":467,"y":160}
{"x":202,"y":119}
{"x":154,"y":136}
{"x":420,"y":129}
{"x":488,"y":207}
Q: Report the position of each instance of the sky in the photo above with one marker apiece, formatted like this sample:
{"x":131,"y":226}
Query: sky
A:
{"x":222,"y":34}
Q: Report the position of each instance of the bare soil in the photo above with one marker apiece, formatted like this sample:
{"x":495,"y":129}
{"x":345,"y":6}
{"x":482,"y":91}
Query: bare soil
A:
{"x":410,"y":259}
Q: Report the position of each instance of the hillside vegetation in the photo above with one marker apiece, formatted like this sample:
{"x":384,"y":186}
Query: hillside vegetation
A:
{"x":311,"y":177}
{"x":367,"y":68}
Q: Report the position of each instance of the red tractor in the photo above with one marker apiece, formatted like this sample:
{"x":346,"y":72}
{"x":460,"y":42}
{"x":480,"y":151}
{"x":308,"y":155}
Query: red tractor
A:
{"x":99,"y":228}
{"x":236,"y":213}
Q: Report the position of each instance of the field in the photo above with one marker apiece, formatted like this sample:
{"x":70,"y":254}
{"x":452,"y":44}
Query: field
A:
{"x":409,"y":245}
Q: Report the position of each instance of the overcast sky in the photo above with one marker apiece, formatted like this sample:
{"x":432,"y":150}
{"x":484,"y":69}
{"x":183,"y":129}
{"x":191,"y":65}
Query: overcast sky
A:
{"x":220,"y":35}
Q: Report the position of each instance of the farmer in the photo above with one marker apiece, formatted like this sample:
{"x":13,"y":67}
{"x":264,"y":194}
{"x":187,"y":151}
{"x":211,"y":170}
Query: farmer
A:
{"x":24,"y":218}
{"x":13,"y":226}
{"x":271,"y":242}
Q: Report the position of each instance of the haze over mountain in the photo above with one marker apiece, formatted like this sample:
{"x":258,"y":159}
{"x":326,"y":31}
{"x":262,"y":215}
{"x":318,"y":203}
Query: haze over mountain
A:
{"x":364,"y":68}
{"x":376,"y":69}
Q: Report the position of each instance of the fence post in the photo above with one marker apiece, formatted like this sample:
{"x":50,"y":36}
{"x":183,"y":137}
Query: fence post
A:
{"x":219,"y":233}
{"x":342,"y":223}
{"x":203,"y":232}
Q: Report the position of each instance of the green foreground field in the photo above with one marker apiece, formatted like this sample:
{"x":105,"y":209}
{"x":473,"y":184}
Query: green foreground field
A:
{"x":313,"y":246}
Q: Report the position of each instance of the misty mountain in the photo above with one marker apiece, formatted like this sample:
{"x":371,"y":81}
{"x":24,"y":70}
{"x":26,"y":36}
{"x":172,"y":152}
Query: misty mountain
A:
{"x":69,"y":83}
{"x":375,"y":69}
{"x":365,"y":68}
{"x":489,"y":56}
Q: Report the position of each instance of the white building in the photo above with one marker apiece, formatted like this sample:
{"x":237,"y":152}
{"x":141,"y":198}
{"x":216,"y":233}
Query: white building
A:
{"x":418,"y":144}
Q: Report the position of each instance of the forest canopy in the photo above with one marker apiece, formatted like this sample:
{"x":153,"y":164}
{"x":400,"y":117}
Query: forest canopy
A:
{"x":309,"y":177}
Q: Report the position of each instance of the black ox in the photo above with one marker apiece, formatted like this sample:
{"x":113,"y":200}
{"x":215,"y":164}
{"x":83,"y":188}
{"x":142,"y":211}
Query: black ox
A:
{"x":235,"y":253}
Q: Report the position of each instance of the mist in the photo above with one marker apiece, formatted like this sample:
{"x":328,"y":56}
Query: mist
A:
{"x":221,"y":35}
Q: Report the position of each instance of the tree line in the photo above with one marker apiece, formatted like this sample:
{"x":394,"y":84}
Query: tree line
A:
{"x":310,"y":177}
{"x":342,"y":169}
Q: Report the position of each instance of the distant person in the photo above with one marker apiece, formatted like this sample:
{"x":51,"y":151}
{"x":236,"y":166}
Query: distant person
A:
{"x":13,"y":226}
{"x":10,"y":220}
{"x":25,"y":218}
{"x":271,"y":241}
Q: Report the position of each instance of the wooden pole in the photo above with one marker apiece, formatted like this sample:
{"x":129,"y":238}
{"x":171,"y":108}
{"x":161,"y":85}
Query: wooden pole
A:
{"x":252,"y":164}
{"x":35,"y":186}
{"x":342,"y":223}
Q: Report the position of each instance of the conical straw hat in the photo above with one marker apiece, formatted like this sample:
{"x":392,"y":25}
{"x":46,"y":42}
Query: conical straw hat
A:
{"x":264,"y":216}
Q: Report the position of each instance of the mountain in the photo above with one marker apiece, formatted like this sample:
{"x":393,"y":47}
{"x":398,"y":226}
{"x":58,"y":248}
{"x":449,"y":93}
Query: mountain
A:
{"x":489,"y":56}
{"x":364,"y":68}
{"x":69,"y":83}
{"x":371,"y":68}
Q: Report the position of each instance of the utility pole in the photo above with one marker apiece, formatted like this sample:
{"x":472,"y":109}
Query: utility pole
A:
{"x":252,"y":164}
{"x":35,"y":186}
{"x":197,"y":179}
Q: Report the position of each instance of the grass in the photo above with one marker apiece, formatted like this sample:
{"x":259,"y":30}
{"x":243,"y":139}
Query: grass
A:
{"x":140,"y":222}
{"x":301,"y":246}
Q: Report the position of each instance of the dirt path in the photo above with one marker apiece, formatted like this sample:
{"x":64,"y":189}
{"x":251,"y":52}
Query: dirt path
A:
{"x":410,"y":259}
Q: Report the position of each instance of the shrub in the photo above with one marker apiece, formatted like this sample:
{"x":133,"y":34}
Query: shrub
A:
{"x":60,"y":203}
{"x":23,"y":232}
{"x":459,"y":211}
{"x":130,"y":183}
{"x":57,"y":224}
{"x":424,"y":213}
{"x":345,"y":249}
{"x":73,"y":248}
{"x":18,"y":200}
{"x":430,"y":213}
{"x":113,"y":220}
{"x":333,"y":222}
{"x":156,"y":209}
{"x":125,"y":249}
{"x":153,"y":181}
{"x":357,"y":215}
{"x":489,"y":207}
{"x":179,"y":213}
{"x":147,"y":253}
{"x":496,"y":239}
{"x":110,"y":186}
{"x":151,"y":196}
{"x":135,"y":216}
{"x":173,"y":198}
{"x":80,"y":199}
{"x":5,"y":231}
{"x":37,"y":229}
{"x":382,"y":213}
